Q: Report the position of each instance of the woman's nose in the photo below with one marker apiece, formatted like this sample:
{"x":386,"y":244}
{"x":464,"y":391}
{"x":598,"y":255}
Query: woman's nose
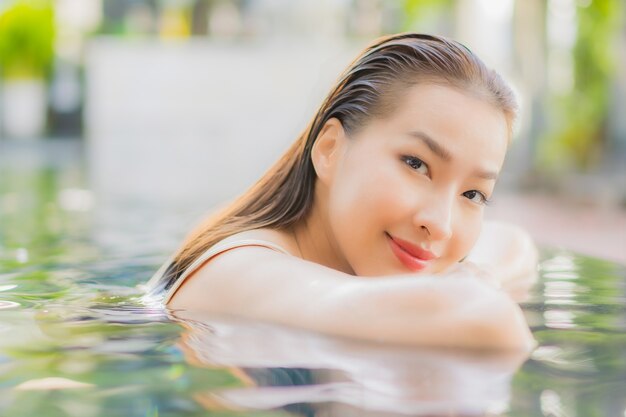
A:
{"x":434,"y":216}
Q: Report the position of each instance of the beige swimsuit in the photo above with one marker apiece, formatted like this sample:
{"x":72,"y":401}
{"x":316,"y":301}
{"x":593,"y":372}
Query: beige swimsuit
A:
{"x":210,"y":253}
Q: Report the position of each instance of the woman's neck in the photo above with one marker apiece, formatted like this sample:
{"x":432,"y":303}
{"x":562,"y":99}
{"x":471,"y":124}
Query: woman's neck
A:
{"x":316,"y":242}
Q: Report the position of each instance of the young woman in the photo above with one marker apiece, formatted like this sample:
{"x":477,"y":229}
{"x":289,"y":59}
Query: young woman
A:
{"x":362,"y":227}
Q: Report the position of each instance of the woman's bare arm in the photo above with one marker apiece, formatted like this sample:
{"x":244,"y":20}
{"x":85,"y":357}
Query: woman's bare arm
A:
{"x":261,"y":284}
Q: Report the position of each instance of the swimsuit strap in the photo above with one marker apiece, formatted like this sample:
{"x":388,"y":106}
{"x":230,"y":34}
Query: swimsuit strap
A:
{"x":212,"y":252}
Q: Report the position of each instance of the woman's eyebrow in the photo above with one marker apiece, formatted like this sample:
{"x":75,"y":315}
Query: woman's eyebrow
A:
{"x":445,"y":154}
{"x":436,"y":148}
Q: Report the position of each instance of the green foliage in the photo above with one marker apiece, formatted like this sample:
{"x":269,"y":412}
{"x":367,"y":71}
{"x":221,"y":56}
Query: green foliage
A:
{"x":576,"y":138}
{"x":26,"y":39}
{"x":415,"y":6}
{"x":421,"y":15}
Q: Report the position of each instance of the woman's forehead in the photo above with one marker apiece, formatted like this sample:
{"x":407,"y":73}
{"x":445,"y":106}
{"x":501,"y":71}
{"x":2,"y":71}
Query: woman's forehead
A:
{"x":450,"y":124}
{"x":445,"y":111}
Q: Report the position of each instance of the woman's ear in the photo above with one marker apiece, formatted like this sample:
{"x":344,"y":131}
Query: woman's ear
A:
{"x":327,"y":148}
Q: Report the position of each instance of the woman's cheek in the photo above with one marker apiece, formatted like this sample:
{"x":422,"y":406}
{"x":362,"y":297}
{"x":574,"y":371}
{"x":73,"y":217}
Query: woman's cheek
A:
{"x":377,"y":189}
{"x":467,"y":231}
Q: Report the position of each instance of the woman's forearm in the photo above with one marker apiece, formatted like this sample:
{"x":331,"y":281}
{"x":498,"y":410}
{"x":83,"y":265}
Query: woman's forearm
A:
{"x":426,"y":311}
{"x":430,"y":311}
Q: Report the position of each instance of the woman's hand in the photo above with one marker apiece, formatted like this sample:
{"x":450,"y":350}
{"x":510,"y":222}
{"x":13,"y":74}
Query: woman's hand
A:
{"x":469,"y":269}
{"x":509,"y":255}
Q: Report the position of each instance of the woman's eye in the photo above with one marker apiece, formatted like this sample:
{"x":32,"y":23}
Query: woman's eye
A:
{"x":415,"y":164}
{"x":476,"y":197}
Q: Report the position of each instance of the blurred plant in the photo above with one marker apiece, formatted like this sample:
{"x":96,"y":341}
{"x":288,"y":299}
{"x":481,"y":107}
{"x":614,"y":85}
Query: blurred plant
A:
{"x":419,"y":13}
{"x":26,"y":39}
{"x":577,"y":135}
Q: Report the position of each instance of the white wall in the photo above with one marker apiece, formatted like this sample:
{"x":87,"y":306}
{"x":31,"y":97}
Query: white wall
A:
{"x":197,"y":122}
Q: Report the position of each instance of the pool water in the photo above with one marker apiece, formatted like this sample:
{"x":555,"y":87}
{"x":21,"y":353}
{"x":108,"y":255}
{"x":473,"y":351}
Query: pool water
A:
{"x":77,"y":338}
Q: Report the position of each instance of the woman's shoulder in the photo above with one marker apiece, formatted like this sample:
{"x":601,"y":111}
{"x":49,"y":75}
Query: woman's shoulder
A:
{"x":226,"y":263}
{"x":272,"y":238}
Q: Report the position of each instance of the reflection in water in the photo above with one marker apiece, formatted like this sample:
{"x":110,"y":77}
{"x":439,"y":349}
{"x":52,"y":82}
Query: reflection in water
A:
{"x":8,"y":304}
{"x":551,"y":404}
{"x":561,"y":263}
{"x":283,"y":367}
{"x":560,"y":292}
{"x":21,"y":255}
{"x":578,"y":316}
{"x":558,"y":274}
{"x":559,"y":319}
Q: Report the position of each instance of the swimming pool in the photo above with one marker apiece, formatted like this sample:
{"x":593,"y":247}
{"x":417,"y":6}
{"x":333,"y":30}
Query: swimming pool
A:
{"x":77,"y":339}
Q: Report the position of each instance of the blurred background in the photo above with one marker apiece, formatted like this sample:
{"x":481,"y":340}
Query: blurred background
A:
{"x":123,"y":122}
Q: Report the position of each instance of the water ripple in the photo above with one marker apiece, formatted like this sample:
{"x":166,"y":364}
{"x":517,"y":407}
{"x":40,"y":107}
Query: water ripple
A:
{"x":8,"y":304}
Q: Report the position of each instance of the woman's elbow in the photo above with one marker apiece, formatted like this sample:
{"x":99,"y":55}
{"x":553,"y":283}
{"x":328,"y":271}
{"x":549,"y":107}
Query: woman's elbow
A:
{"x":498,"y":323}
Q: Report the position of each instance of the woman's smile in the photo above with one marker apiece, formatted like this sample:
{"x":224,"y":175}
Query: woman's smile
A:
{"x":413,"y":257}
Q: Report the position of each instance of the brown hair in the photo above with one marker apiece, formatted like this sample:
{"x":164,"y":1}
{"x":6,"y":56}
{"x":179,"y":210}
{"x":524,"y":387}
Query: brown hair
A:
{"x":369,"y":88}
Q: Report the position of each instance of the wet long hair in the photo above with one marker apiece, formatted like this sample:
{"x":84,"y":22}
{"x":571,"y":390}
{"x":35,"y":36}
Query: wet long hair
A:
{"x":369,"y":88}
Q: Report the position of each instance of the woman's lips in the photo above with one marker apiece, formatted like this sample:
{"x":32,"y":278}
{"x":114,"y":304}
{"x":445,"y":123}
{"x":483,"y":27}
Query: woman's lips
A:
{"x":413,"y":257}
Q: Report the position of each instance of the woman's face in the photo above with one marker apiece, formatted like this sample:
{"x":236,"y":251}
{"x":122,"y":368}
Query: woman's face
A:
{"x":407,"y":193}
